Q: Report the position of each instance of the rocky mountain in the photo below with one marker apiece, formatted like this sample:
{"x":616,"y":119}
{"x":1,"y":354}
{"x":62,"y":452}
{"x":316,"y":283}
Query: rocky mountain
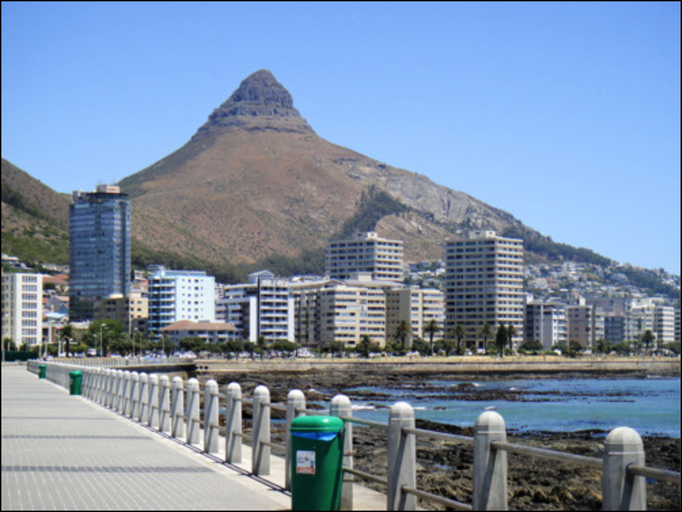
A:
{"x":34,"y":218}
{"x":256,"y":181}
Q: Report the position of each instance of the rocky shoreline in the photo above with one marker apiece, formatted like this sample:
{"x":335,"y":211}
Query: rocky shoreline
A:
{"x":444,"y":468}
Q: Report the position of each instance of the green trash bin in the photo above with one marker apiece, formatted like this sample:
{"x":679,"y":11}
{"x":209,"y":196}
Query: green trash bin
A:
{"x":316,"y":462}
{"x":75,"y":383}
{"x":42,"y":371}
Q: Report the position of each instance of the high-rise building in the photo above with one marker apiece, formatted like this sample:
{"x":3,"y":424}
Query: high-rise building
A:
{"x":484,"y":284}
{"x":366,"y":253}
{"x":175,"y":295}
{"x":262,"y":307}
{"x":99,"y":250}
{"x":545,"y":323}
{"x":22,"y":308}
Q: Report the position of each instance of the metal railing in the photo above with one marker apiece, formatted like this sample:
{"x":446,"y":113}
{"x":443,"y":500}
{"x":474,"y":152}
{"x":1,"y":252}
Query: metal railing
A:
{"x":172,"y":408}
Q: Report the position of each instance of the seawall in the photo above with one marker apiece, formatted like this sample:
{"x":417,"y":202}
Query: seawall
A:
{"x":669,"y":366}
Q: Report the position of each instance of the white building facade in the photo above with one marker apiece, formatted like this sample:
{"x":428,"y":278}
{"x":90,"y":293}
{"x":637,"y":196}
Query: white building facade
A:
{"x":175,"y":295}
{"x":22,"y":308}
{"x":365,"y":253}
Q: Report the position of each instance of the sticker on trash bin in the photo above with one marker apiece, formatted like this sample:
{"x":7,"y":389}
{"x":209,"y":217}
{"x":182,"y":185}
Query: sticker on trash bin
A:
{"x":305,"y":462}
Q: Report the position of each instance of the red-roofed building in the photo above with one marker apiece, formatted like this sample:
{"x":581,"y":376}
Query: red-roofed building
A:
{"x":213,"y":332}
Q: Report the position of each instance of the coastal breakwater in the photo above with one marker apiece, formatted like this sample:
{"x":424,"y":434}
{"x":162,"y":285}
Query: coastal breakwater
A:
{"x":668,"y":366}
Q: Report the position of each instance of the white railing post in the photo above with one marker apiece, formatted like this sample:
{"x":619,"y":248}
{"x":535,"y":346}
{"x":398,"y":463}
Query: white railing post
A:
{"x":144,"y":398}
{"x":401,"y":458}
{"x":109,"y":390}
{"x":211,"y":421}
{"x":153,"y":418}
{"x":490,"y":465}
{"x":260,"y":456}
{"x":192,"y":415}
{"x":127,"y":386}
{"x":341,"y":407}
{"x":295,"y":400}
{"x":233,"y":423}
{"x":623,"y":447}
{"x":164,"y":403}
{"x":135,"y":395}
{"x":177,"y":409}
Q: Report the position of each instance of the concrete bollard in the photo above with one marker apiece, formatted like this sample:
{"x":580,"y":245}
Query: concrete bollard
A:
{"x":192,"y":411}
{"x":233,"y":423}
{"x":295,"y":400}
{"x":490,"y":465}
{"x":153,"y":418}
{"x":127,"y":384}
{"x":144,"y":398}
{"x":109,"y":394}
{"x":177,"y":415}
{"x":164,"y":403}
{"x":401,"y":458}
{"x":211,"y":414}
{"x":135,"y":395}
{"x":260,"y":456}
{"x":623,"y":447}
{"x":342,"y":408}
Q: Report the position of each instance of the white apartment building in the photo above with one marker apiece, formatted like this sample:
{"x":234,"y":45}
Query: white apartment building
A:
{"x":175,"y":295}
{"x":546,"y":323}
{"x":484,"y":284}
{"x":261,"y":307}
{"x":664,"y":324}
{"x":366,"y":253}
{"x":22,"y":308}
{"x":415,"y":305}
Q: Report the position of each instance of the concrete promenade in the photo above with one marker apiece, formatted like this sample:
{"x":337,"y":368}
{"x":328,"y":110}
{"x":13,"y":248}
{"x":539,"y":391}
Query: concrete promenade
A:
{"x":62,"y":452}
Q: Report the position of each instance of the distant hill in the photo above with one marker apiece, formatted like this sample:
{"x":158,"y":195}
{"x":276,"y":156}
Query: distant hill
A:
{"x":35,"y":218}
{"x":256,"y":182}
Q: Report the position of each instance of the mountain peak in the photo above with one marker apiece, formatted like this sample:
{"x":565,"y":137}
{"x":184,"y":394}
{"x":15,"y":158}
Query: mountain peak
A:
{"x":259,"y":103}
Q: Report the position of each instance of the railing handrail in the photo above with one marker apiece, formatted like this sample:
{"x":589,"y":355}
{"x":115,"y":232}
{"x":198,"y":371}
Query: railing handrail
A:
{"x":139,"y":396}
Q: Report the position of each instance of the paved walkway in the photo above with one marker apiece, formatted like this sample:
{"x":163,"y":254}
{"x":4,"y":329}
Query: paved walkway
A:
{"x":61,"y":452}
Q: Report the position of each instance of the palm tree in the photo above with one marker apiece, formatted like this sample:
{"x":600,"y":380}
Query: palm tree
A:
{"x":501,"y":339}
{"x":486,"y":332}
{"x":648,"y":337}
{"x":431,"y":328}
{"x":458,"y":332}
{"x":511,"y":332}
{"x":66,"y":335}
{"x":402,"y":331}
{"x":365,"y":344}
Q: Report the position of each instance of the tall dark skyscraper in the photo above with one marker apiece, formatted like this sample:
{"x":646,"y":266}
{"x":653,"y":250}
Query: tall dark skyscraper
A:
{"x":99,"y":252}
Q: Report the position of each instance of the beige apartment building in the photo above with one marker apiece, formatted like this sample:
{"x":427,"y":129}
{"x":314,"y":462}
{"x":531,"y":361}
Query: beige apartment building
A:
{"x":484,"y":284}
{"x":366,"y":253}
{"x":418,"y":306}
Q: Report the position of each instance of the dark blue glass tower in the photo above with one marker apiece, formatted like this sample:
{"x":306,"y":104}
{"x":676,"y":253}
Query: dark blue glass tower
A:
{"x":99,"y":250}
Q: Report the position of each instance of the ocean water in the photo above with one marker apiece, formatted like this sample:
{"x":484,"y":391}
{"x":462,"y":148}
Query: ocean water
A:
{"x":651,"y":406}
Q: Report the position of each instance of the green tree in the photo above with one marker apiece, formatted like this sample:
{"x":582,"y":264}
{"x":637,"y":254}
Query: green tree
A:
{"x":501,"y":339}
{"x":402,"y":332}
{"x":486,"y":333}
{"x":458,"y":332}
{"x":365,"y":345}
{"x":531,"y":346}
{"x":431,"y":328}
{"x":66,"y":335}
{"x":648,"y":337}
{"x":511,"y":332}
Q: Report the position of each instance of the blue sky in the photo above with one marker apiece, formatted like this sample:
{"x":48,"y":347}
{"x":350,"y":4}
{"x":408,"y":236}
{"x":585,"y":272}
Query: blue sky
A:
{"x":566,"y":115}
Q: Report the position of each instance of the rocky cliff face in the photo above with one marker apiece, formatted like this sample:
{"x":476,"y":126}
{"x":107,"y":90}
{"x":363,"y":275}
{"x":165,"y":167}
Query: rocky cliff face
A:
{"x":256,"y":181}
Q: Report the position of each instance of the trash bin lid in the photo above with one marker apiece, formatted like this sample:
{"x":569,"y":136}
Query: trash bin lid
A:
{"x":317,"y":424}
{"x":75,"y":374}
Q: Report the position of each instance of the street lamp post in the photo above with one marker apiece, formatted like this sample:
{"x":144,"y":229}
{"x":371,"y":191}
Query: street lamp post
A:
{"x":101,"y":341}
